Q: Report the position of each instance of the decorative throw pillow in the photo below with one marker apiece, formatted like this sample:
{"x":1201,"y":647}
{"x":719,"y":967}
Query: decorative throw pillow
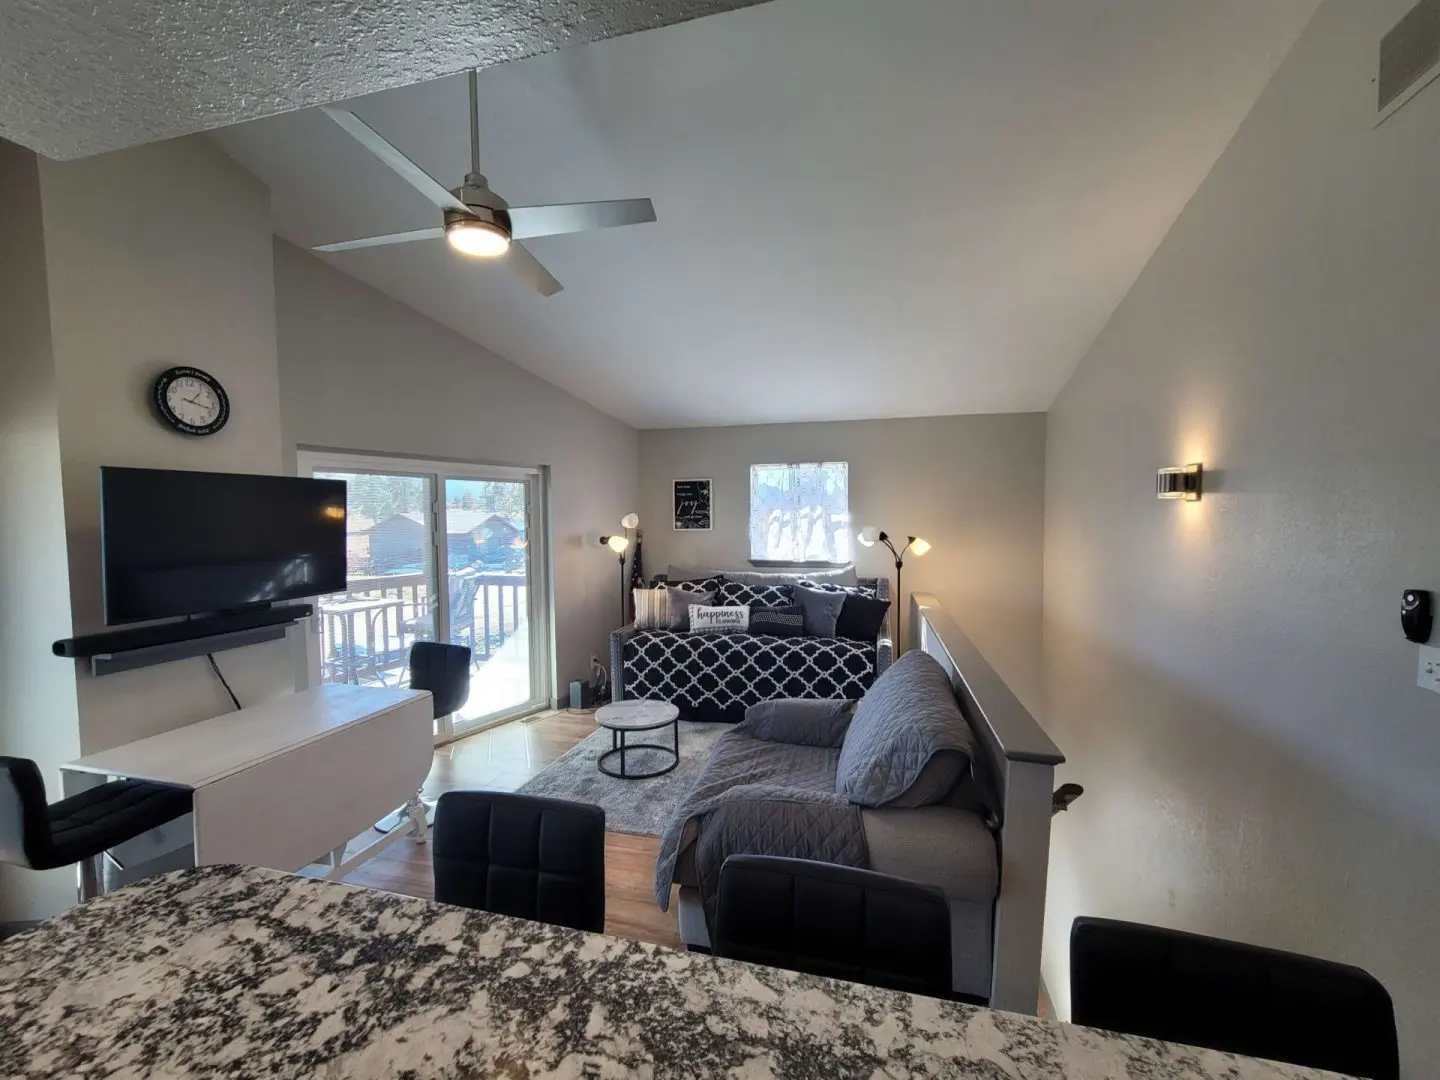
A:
{"x":732,"y":592}
{"x":828,"y":586}
{"x":679,"y":599}
{"x":778,"y":621}
{"x":719,"y":620}
{"x":861,"y":617}
{"x":696,"y":585}
{"x":652,"y":609}
{"x":822,"y":610}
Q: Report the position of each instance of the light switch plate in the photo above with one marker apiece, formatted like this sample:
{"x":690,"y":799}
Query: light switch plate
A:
{"x":1429,"y":673}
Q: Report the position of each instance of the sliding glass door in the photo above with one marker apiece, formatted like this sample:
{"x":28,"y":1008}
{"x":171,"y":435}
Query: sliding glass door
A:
{"x":439,"y":552}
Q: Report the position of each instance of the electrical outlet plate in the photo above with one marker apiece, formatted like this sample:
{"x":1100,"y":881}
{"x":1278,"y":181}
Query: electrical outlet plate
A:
{"x":1428,"y":677}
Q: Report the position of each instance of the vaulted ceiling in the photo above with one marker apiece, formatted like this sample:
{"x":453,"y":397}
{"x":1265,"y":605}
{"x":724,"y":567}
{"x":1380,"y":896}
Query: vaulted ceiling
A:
{"x":865,"y":209}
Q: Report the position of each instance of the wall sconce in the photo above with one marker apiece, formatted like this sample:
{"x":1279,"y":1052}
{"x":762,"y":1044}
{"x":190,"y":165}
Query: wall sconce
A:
{"x":1179,"y":482}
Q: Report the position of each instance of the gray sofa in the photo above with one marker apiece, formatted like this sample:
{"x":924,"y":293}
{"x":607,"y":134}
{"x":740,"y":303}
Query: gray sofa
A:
{"x":909,"y":781}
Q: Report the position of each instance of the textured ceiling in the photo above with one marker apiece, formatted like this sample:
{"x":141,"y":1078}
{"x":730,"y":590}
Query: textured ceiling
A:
{"x":80,"y":77}
{"x":865,"y":209}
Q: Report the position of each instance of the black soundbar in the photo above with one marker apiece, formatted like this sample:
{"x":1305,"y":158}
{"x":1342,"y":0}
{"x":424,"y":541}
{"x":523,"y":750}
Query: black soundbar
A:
{"x":145,"y":637}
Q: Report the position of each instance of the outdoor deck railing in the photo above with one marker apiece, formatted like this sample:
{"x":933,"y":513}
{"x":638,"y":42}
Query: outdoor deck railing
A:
{"x":368,"y":630}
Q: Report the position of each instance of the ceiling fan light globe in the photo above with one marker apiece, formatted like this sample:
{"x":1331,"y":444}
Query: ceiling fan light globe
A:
{"x":478,"y":239}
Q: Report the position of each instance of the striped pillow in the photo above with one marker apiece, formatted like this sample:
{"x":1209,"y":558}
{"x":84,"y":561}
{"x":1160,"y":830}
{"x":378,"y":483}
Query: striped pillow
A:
{"x":652,"y":609}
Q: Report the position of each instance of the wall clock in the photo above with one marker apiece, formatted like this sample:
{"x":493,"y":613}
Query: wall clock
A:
{"x":191,"y":401}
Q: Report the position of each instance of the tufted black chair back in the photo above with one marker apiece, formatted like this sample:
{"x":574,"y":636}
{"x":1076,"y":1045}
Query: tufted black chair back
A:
{"x":541,"y":859}
{"x":44,"y":836}
{"x":835,"y":920}
{"x":24,"y":828}
{"x":1224,"y":995}
{"x":442,"y":669}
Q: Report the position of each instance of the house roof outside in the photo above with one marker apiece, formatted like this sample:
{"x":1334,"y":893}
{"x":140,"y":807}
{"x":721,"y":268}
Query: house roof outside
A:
{"x":464,"y":522}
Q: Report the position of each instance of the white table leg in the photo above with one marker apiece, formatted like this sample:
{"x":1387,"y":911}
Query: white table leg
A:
{"x":414,"y":811}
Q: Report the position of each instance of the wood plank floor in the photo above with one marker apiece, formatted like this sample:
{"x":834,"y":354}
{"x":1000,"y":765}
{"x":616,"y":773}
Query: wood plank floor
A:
{"x":502,"y":759}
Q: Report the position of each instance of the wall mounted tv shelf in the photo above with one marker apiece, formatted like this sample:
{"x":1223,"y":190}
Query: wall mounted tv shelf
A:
{"x":144,"y":646}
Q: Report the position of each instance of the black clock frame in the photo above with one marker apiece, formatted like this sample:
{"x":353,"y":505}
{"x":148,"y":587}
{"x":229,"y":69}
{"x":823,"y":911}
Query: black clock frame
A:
{"x":167,"y":414}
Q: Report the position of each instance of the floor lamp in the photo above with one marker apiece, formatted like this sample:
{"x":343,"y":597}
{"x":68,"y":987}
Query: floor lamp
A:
{"x":618,"y":544}
{"x":869,"y":536}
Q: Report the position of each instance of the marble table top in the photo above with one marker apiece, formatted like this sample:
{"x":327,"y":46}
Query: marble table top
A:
{"x":636,"y":715}
{"x":238,"y":973}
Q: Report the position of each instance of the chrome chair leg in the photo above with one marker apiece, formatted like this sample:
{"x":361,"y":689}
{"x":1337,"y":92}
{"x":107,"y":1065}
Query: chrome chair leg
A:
{"x":89,"y":873}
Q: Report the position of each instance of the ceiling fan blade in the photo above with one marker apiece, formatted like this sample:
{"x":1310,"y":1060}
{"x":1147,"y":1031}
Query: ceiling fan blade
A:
{"x":381,"y":241}
{"x":531,"y":221}
{"x":528,"y":269}
{"x":402,"y":166}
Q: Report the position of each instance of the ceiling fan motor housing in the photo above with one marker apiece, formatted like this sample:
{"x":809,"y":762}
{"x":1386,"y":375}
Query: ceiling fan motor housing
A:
{"x":484,"y":204}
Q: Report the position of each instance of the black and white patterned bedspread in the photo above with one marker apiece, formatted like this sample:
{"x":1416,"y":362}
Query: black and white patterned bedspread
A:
{"x":731,"y":672}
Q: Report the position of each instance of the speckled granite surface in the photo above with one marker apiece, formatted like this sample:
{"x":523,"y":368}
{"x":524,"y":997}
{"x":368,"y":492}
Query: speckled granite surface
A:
{"x":227,"y":972}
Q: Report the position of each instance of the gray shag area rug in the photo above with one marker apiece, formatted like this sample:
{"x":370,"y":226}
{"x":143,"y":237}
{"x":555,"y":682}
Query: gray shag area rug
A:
{"x":643,"y":807}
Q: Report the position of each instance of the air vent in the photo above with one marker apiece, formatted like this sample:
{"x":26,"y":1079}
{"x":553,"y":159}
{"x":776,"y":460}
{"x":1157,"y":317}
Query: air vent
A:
{"x":1409,"y":56}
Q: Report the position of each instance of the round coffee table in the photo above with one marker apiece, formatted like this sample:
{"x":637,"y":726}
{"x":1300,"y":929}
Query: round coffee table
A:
{"x":627,"y":716}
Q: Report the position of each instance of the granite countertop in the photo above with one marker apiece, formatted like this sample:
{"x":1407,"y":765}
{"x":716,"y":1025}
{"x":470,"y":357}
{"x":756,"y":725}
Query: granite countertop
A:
{"x":231,"y":972}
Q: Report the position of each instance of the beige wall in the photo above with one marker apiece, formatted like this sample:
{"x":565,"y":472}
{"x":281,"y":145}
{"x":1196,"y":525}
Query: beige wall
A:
{"x":971,"y":485}
{"x":155,"y":257}
{"x":1228,"y":677}
{"x":360,"y":371}
{"x":37,"y":696}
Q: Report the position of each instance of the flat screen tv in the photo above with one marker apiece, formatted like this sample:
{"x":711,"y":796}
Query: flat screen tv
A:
{"x":191,"y":543}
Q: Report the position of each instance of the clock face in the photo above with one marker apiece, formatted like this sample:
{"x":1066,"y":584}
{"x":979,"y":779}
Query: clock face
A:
{"x":191,"y":401}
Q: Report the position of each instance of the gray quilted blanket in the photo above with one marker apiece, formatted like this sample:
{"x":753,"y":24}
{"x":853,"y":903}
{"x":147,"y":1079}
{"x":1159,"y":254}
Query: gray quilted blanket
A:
{"x":755,"y":797}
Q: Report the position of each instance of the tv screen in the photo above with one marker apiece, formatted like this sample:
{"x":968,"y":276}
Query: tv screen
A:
{"x":187,"y":543}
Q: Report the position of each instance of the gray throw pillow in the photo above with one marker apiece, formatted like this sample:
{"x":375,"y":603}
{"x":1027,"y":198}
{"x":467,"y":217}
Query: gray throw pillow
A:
{"x":680,"y":601}
{"x":800,"y":721}
{"x":822,"y":610}
{"x":907,"y":720}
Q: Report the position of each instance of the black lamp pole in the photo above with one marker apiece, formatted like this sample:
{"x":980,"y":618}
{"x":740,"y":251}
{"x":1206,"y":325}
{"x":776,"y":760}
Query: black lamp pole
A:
{"x":884,"y":538}
{"x":605,"y":542}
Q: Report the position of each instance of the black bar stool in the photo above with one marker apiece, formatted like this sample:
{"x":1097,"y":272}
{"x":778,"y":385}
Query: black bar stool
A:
{"x":1225,"y":995}
{"x":533,"y":858}
{"x":836,"y":921}
{"x":444,"y":670}
{"x":43,"y":836}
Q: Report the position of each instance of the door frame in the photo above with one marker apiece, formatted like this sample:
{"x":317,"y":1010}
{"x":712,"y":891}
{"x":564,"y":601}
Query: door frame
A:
{"x":538,"y":600}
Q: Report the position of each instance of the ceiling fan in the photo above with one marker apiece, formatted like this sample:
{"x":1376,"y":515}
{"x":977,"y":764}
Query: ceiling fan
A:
{"x":477,"y":221}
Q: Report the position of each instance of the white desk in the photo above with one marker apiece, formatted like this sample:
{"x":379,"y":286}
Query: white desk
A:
{"x":281,"y":785}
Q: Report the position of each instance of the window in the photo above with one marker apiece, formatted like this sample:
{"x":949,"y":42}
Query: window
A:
{"x":800,"y":513}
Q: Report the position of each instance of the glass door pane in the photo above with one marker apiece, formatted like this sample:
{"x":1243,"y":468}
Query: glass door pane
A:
{"x":487,"y":556}
{"x":392,"y":596}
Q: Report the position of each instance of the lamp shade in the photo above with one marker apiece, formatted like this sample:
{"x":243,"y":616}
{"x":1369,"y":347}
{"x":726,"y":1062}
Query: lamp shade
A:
{"x":868,"y":535}
{"x":630,"y":521}
{"x":919,"y":546}
{"x":617,"y":543}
